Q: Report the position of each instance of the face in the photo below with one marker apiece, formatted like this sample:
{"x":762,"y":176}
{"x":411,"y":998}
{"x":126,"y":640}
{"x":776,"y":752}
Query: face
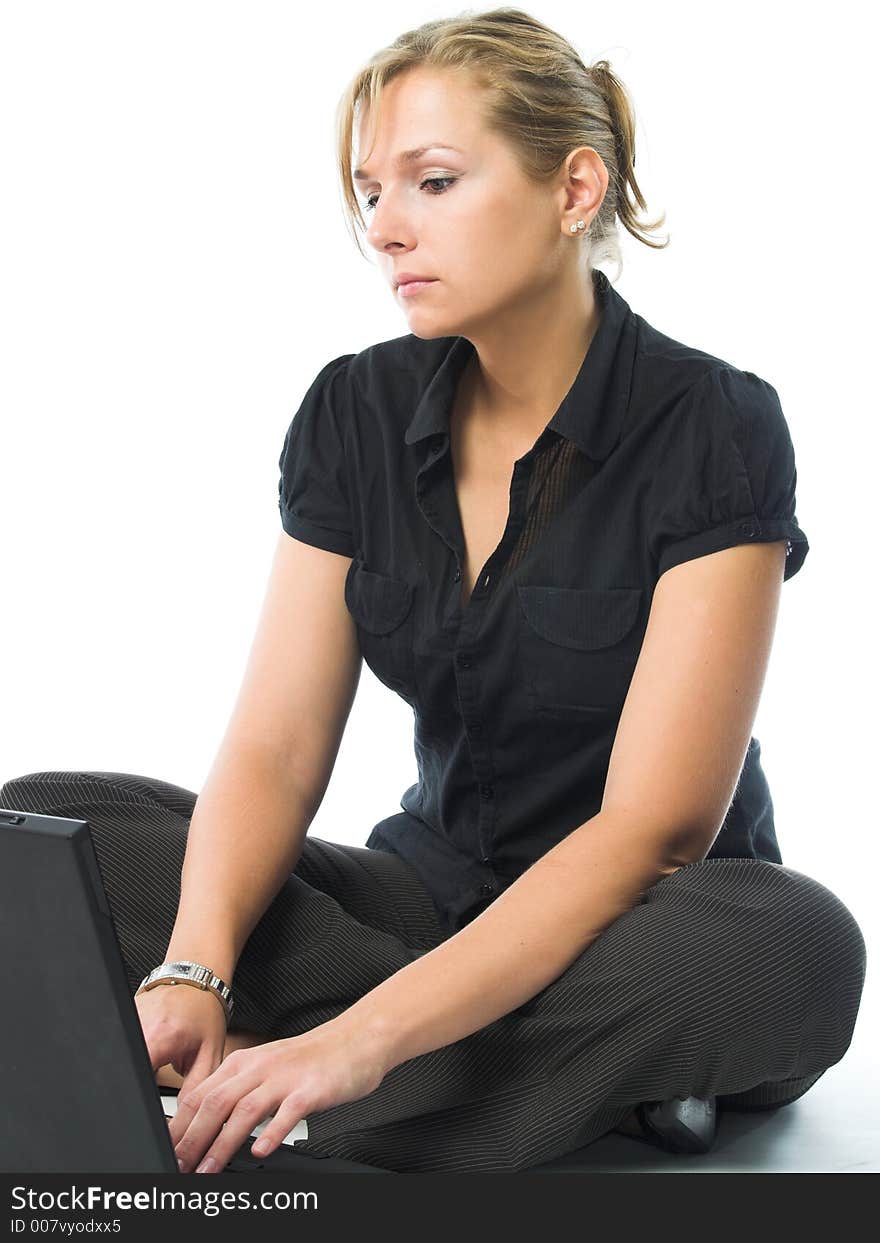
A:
{"x":489,"y":239}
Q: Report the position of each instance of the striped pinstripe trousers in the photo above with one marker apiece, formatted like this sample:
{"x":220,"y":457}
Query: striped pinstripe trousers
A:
{"x":727,"y":978}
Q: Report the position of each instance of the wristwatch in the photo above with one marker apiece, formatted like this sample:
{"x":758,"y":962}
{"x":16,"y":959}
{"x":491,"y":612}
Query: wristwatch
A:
{"x":183,"y":971}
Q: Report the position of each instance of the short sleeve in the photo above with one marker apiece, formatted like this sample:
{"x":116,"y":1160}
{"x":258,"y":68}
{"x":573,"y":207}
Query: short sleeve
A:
{"x":725,"y":474}
{"x":313,"y":489}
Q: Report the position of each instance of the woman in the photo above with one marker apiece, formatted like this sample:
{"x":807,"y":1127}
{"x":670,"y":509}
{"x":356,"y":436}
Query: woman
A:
{"x":581,"y":910}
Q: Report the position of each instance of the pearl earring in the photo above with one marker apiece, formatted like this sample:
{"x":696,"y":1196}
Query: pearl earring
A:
{"x":574,"y":227}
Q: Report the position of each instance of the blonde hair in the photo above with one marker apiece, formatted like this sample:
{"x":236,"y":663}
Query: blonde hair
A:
{"x":539,"y":96}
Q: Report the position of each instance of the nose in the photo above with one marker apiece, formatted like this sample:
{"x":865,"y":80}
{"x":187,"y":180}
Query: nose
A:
{"x":385,"y":228}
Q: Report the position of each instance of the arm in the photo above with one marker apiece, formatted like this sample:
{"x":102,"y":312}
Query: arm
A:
{"x":272,"y":768}
{"x":677,"y":755}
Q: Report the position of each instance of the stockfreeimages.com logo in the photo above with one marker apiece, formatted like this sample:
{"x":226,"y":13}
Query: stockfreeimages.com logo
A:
{"x":210,"y":1203}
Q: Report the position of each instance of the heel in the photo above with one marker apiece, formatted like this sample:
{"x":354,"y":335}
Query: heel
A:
{"x":688,"y":1125}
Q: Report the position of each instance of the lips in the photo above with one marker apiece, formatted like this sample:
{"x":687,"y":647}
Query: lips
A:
{"x":408,"y":278}
{"x":409,"y":289}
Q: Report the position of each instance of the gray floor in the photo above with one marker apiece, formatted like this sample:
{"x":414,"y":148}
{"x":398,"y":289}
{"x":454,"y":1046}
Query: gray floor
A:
{"x":833,"y":1128}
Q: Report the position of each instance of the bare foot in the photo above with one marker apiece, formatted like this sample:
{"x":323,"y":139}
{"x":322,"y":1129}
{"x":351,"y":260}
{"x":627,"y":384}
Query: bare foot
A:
{"x":167,"y":1076}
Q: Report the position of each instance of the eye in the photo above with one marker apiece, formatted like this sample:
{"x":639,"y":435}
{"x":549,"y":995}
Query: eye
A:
{"x":445,"y":182}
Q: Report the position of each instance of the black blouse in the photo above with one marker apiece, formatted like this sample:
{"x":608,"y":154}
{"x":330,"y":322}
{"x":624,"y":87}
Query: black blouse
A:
{"x":658,"y":453}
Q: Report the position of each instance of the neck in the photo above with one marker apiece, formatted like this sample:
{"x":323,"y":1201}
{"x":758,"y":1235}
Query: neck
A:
{"x":527,"y":361}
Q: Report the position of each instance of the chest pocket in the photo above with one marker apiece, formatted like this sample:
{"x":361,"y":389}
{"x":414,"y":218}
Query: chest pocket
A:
{"x":578,"y":647}
{"x":382,"y":609}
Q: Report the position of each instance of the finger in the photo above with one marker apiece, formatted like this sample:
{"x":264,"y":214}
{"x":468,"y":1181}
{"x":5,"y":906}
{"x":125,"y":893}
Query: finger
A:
{"x":189,"y":1099}
{"x":291,"y":1111}
{"x":183,"y":1113}
{"x":218,"y":1143}
{"x":161,"y":1052}
{"x":200,"y":1126}
{"x":196,"y":1077}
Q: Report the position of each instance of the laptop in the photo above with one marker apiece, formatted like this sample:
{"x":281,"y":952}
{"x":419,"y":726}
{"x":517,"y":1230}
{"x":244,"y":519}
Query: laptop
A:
{"x":78,"y":1092}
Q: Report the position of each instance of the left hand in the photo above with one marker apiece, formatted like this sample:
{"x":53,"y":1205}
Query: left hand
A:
{"x":289,"y":1078}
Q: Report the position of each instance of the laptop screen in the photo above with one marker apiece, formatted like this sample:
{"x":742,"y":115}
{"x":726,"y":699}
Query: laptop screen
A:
{"x":71,"y":1034}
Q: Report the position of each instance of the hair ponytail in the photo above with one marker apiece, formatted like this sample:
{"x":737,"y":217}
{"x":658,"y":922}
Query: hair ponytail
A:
{"x":538,"y":95}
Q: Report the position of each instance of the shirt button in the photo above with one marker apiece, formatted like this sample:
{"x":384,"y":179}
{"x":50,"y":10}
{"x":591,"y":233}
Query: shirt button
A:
{"x":475,"y":727}
{"x":486,"y":791}
{"x":747,"y":528}
{"x":457,"y":575}
{"x":464,"y":662}
{"x":486,"y":889}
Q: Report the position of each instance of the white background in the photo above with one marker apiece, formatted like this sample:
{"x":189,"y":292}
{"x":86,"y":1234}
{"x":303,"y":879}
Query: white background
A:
{"x":176,"y":270}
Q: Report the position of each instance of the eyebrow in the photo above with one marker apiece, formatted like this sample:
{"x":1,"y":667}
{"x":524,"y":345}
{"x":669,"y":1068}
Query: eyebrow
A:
{"x":409,"y":157}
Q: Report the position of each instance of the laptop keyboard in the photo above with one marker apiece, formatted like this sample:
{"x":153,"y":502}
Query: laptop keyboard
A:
{"x":168,"y":1097}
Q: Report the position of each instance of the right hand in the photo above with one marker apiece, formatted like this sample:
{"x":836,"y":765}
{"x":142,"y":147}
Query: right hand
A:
{"x":184,"y":1027}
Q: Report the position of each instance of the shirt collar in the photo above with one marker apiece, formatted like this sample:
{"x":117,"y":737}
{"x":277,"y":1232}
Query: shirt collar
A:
{"x":591,"y":413}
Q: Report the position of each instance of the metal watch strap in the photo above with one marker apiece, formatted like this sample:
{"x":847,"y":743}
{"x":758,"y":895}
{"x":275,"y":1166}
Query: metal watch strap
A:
{"x":184,"y":971}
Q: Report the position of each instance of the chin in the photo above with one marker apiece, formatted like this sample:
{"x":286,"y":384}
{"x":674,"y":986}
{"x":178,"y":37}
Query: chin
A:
{"x":430,"y":332}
